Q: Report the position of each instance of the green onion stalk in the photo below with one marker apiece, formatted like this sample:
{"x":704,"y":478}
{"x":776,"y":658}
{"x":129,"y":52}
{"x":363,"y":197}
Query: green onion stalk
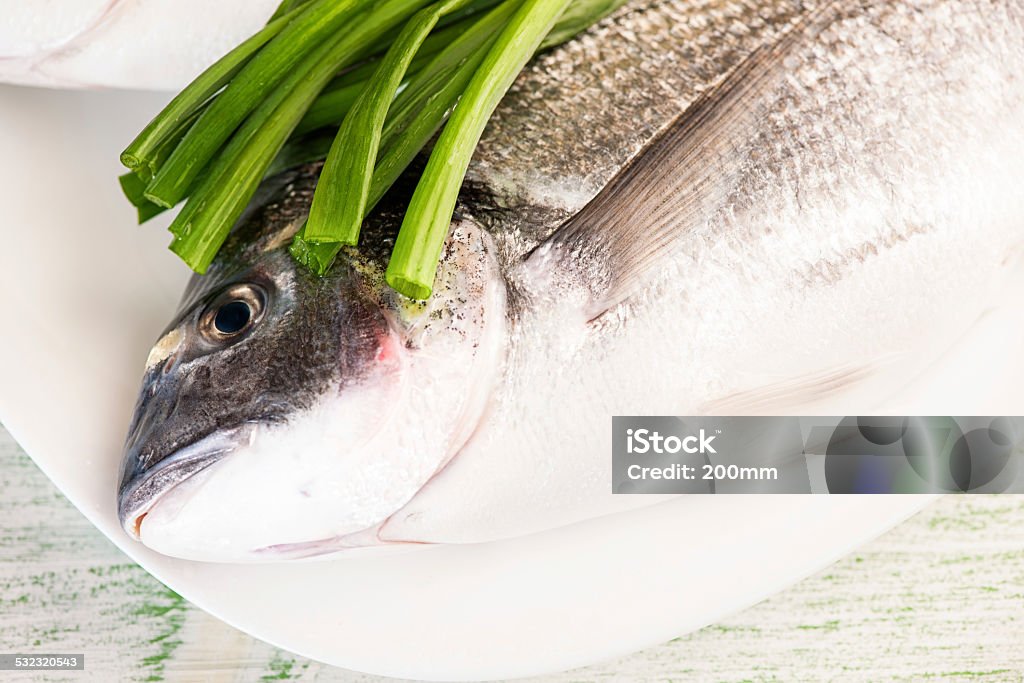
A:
{"x":363,"y":85}
{"x":417,"y":250}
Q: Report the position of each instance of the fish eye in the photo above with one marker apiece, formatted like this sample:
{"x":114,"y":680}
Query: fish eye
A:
{"x":233,"y":313}
{"x":232,"y":317}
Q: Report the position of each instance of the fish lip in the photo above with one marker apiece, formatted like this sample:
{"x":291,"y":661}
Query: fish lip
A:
{"x":138,"y":498}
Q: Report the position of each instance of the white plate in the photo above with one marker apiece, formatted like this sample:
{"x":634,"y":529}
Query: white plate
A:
{"x":85,"y":292}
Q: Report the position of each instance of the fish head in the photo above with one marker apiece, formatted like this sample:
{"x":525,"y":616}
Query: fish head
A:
{"x":284,"y":415}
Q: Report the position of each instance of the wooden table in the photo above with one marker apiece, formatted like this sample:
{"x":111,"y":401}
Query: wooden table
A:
{"x":941,"y":597}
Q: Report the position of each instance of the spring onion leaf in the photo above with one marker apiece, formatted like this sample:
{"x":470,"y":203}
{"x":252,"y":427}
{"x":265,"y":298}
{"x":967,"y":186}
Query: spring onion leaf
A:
{"x":134,"y":189}
{"x":579,"y":15}
{"x":339,"y":204}
{"x":337,"y":99}
{"x":203,"y":224}
{"x":285,"y":7}
{"x":177,"y":116}
{"x":277,"y":61}
{"x":416,"y":114}
{"x":414,"y":259}
{"x":366,"y":84}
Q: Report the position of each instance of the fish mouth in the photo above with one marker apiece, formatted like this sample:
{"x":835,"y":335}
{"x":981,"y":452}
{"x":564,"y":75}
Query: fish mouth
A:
{"x":145,"y":491}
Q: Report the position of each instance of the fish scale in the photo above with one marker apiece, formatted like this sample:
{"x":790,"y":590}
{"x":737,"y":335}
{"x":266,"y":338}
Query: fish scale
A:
{"x":838,"y":241}
{"x":582,"y":110}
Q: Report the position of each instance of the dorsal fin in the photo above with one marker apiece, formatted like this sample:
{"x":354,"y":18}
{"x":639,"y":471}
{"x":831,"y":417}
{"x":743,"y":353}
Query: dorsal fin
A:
{"x":676,"y":181}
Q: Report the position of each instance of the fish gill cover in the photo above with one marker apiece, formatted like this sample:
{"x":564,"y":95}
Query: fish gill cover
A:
{"x":363,"y":84}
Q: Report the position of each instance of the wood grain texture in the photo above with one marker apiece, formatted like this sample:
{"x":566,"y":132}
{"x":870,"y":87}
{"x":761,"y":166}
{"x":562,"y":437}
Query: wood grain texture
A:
{"x":941,"y":597}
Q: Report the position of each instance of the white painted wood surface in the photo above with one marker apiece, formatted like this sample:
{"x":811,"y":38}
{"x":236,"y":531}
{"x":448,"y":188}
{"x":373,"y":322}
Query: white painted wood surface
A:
{"x":941,"y":597}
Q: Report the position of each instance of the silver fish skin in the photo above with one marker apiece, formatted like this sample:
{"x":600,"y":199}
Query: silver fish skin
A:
{"x":694,"y":207}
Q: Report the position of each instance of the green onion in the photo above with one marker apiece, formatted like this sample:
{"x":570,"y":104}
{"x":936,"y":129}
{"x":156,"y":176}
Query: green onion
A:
{"x":204,"y":222}
{"x":276,"y":62}
{"x":285,"y":7}
{"x":420,"y":110}
{"x":134,"y":189}
{"x":414,"y":259}
{"x":302,"y":150}
{"x":338,"y":208}
{"x":336,"y":100}
{"x":390,"y":72}
{"x":416,"y":114}
{"x":331,"y":107}
{"x":579,"y":15}
{"x":177,"y":116}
